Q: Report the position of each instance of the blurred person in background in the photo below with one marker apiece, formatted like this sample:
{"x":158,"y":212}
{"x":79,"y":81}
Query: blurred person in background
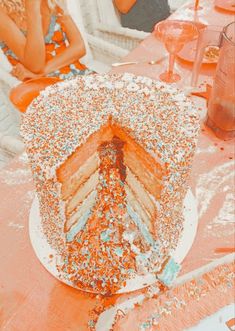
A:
{"x":142,"y":14}
{"x":39,"y":38}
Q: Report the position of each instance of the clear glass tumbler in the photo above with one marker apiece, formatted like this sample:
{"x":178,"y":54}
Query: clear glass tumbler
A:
{"x":221,"y":109}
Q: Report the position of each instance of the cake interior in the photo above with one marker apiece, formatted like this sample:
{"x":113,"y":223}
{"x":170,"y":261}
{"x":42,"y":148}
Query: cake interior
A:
{"x":81,"y":175}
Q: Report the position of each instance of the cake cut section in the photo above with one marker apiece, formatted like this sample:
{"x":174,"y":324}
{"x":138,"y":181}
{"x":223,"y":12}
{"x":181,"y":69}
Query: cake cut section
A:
{"x":107,"y":211}
{"x":141,"y":178}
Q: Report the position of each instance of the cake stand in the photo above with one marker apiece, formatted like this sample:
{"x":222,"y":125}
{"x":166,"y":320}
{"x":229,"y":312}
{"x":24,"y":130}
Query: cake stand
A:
{"x":48,"y":257}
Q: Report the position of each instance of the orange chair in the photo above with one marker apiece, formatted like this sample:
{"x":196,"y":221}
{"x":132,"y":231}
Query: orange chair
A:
{"x":23,"y":94}
{"x":231,"y":324}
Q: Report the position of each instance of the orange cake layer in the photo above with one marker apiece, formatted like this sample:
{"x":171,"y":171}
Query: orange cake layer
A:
{"x":83,"y":152}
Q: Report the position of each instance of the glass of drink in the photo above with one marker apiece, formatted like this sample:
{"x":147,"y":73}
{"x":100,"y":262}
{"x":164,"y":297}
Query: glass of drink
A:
{"x":174,"y":34}
{"x":196,"y":6}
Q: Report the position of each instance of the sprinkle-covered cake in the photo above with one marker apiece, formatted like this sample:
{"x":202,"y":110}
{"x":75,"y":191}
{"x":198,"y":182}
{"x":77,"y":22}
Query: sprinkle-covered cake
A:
{"x":111,"y":157}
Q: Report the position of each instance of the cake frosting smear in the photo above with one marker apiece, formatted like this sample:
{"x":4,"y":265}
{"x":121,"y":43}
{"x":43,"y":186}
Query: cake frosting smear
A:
{"x":111,"y":157}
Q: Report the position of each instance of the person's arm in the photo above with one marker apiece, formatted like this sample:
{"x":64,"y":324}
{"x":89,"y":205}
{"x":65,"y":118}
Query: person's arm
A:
{"x":124,"y":6}
{"x":34,"y":51}
{"x":29,"y":50}
{"x":73,"y":52}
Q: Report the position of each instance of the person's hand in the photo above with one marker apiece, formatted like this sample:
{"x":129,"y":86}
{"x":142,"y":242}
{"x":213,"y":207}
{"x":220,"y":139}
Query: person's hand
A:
{"x":23,"y":74}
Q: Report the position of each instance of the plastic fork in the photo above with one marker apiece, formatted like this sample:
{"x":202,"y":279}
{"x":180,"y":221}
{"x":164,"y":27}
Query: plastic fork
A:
{"x":118,"y":64}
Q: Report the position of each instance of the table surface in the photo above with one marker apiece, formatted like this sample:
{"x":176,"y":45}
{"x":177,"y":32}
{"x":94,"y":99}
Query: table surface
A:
{"x":30,"y":298}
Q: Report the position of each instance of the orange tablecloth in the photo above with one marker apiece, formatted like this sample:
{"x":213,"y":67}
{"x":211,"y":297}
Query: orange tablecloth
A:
{"x":31,"y":299}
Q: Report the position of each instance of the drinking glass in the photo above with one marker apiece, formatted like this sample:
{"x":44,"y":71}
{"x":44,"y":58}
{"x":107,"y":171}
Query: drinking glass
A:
{"x":195,"y":6}
{"x":209,"y":36}
{"x":174,"y":34}
{"x":221,"y":108}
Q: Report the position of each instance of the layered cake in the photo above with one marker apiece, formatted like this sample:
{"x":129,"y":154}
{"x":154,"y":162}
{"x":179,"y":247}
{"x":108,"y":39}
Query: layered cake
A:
{"x":110,"y":157}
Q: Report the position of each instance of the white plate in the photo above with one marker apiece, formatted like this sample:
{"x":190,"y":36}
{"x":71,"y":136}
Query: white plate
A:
{"x":49,"y":257}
